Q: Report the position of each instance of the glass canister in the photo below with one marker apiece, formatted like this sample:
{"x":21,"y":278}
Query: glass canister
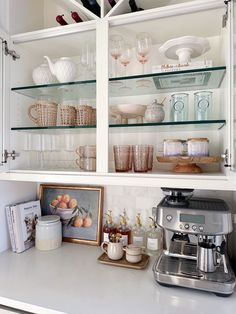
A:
{"x":179,"y":107}
{"x":48,"y":233}
{"x":173,"y":147}
{"x":202,"y":105}
{"x":154,"y":112}
{"x":198,"y":146}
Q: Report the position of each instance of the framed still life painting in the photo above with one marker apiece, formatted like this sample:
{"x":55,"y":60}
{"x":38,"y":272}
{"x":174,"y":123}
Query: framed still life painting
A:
{"x":80,"y":210}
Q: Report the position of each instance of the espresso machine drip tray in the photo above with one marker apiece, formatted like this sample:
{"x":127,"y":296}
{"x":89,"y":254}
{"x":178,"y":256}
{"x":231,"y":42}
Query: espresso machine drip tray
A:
{"x":183,"y":272}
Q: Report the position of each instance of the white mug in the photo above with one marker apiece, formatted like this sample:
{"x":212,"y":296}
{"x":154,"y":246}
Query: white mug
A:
{"x":113,"y":250}
{"x":133,"y":253}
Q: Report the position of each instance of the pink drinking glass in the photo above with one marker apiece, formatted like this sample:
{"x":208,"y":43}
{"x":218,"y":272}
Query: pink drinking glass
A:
{"x":140,"y":157}
{"x":121,"y":156}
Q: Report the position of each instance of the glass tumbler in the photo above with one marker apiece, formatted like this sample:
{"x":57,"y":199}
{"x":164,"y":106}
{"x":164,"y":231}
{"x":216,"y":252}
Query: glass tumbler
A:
{"x":202,"y":105}
{"x":179,"y":107}
{"x":122,"y":157}
{"x":140,"y":157}
{"x":150,"y":156}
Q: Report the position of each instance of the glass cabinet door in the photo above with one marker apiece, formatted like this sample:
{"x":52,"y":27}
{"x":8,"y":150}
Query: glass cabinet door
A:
{"x":233,"y":86}
{"x":53,"y":104}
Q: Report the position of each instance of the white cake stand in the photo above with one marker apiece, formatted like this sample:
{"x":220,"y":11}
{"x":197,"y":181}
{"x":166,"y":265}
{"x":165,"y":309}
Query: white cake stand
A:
{"x":184,"y":48}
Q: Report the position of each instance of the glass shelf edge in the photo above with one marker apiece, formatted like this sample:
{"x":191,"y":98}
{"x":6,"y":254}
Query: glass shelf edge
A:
{"x":160,"y":124}
{"x":54,"y":128}
{"x":219,"y":68}
{"x":19,"y":88}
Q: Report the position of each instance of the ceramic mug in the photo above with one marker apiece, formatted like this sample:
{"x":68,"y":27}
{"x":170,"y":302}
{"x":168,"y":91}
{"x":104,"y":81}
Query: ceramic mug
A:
{"x":113,"y":250}
{"x":133,"y":253}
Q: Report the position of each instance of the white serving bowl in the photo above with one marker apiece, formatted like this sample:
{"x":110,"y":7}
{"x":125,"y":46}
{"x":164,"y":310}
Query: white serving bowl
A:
{"x":128,"y":111}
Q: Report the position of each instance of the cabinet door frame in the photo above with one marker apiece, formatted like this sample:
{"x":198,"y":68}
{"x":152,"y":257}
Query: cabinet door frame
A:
{"x":4,"y":101}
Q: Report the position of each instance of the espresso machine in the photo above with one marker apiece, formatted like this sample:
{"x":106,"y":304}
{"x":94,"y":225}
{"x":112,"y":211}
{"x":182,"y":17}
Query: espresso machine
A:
{"x":195,"y":256}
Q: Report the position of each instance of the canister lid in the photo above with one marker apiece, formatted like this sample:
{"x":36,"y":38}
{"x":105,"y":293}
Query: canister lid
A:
{"x":173,"y":140}
{"x":48,"y":219}
{"x":198,"y":139}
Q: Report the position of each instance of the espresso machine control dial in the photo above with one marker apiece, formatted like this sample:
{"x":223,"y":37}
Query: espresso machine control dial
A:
{"x":186,"y":226}
{"x":169,"y":217}
{"x":201,"y":229}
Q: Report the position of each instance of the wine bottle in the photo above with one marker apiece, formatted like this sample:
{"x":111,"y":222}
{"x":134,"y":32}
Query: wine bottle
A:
{"x":112,"y":3}
{"x":92,"y":6}
{"x":75,"y":16}
{"x":60,"y":20}
{"x":133,"y":6}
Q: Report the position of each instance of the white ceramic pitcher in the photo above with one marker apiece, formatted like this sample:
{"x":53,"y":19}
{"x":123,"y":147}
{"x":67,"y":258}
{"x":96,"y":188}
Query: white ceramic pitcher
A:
{"x":64,"y":69}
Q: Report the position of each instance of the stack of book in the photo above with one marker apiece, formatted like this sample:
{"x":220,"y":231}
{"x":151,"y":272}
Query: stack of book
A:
{"x":21,"y":220}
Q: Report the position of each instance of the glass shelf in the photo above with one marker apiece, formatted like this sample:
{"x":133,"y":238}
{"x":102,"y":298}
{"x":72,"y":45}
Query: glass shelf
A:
{"x":59,"y":91}
{"x":173,"y":126}
{"x":56,"y":129}
{"x":167,"y":82}
{"x":162,"y":126}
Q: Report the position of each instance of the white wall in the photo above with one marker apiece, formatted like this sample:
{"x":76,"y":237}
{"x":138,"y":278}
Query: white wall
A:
{"x":4,"y":15}
{"x":11,"y":192}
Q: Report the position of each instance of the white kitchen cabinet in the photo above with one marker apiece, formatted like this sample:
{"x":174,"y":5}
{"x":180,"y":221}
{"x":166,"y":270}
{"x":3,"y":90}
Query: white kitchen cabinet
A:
{"x":47,"y":154}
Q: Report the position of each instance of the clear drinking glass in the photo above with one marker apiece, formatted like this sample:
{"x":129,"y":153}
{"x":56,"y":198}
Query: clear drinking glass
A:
{"x":179,"y":107}
{"x":140,"y":157}
{"x":122,"y":157}
{"x":202,"y":104}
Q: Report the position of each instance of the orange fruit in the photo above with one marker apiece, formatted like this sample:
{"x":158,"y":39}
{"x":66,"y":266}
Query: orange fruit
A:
{"x":87,"y":222}
{"x":63,"y":205}
{"x":65,"y":198}
{"x":54,"y":202}
{"x":78,"y":222}
{"x":59,"y":198}
{"x":72,"y":203}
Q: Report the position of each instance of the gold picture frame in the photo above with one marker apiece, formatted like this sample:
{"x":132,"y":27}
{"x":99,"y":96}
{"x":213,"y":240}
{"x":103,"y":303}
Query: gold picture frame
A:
{"x":80,"y":209}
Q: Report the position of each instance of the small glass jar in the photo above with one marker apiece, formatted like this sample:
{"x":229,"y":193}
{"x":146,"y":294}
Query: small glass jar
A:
{"x":48,"y":233}
{"x":173,"y":147}
{"x":198,"y":146}
{"x":179,"y":107}
{"x":154,"y":112}
{"x":202,"y":104}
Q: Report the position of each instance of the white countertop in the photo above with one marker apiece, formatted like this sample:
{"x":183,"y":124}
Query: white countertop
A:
{"x":71,"y":280}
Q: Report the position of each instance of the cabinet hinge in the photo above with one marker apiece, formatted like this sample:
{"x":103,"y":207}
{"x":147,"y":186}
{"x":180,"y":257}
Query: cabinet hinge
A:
{"x":9,"y":52}
{"x":11,"y":155}
{"x":226,"y":15}
{"x":226,"y":157}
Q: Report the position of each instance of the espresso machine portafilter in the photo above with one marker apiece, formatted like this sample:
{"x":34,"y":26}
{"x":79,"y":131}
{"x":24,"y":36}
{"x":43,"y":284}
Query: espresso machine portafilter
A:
{"x":202,"y":263}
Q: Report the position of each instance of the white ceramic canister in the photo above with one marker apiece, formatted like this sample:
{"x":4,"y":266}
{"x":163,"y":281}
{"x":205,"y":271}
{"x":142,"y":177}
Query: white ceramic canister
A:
{"x":198,"y":146}
{"x":173,"y":147}
{"x":48,"y":233}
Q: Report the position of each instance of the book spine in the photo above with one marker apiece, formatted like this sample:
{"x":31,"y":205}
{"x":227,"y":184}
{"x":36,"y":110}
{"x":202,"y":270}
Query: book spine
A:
{"x":10,"y":228}
{"x":20,"y":247}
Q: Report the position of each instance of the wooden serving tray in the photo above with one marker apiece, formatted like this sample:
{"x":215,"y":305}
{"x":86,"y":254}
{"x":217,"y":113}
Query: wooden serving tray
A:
{"x":104,"y":259}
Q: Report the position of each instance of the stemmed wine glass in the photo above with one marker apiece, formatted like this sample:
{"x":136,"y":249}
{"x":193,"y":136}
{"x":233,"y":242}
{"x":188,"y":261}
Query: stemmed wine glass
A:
{"x":143,"y":47}
{"x":116,"y":47}
{"x":88,"y":61}
{"x":125,"y":59}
